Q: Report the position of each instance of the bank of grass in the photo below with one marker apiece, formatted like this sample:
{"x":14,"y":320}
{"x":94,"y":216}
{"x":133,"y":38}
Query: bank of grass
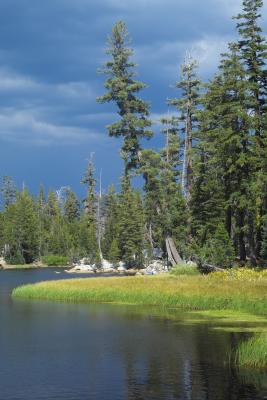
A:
{"x":238,"y":291}
{"x":20,"y":266}
{"x":188,"y":292}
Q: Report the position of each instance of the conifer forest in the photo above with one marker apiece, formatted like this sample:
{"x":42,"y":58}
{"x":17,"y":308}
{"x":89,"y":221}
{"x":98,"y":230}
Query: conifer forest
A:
{"x":202,"y":196}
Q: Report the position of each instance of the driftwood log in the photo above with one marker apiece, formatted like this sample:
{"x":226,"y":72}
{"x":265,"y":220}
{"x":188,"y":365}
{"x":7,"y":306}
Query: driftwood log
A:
{"x":204,"y":266}
{"x":175,"y":258}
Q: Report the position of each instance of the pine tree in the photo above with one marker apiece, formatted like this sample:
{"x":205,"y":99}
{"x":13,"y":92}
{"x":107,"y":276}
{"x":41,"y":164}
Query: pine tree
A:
{"x":253,"y":48}
{"x":41,"y":205}
{"x":20,"y":229}
{"x":71,"y":206}
{"x":131,"y":228}
{"x":122,"y":89}
{"x":8,"y":191}
{"x":153,"y":197}
{"x":219,"y":250}
{"x":114,"y":252}
{"x":88,"y":228}
{"x":174,"y":216}
{"x":187,"y":105}
{"x":264,"y":240}
{"x":111,"y":217}
{"x":90,"y":201}
{"x":225,"y":156}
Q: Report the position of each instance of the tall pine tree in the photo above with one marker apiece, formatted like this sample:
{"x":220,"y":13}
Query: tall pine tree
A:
{"x":122,"y":89}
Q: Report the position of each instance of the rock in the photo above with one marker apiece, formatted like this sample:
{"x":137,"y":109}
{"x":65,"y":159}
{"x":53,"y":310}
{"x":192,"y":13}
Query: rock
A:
{"x":106,"y":265}
{"x":191,"y":263}
{"x":2,"y":262}
{"x":109,"y":270}
{"x":142,"y":271}
{"x":83,"y":268}
{"x":131,"y":271}
{"x":157,"y":253}
{"x":156,"y":267}
{"x":121,"y":269}
{"x":122,"y":264}
{"x":79,"y":270}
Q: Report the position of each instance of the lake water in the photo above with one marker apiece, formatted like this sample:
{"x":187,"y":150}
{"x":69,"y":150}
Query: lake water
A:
{"x":103,"y":352}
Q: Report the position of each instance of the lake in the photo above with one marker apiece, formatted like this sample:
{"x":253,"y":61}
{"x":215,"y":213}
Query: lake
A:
{"x":105,"y":352}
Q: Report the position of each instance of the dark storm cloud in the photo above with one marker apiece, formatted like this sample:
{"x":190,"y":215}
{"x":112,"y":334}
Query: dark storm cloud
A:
{"x":50,"y":51}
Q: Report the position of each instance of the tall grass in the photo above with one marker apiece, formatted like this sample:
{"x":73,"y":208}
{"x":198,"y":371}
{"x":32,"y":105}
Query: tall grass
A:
{"x":188,"y":292}
{"x":253,"y":352}
{"x":184,"y":269}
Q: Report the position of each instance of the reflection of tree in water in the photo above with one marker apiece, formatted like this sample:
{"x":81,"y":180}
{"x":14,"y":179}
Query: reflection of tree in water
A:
{"x":167,"y":361}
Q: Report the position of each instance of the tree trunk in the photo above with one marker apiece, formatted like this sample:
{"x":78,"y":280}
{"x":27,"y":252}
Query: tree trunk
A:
{"x":173,"y":255}
{"x":204,"y":266}
{"x":241,"y":237}
{"x":251,"y":240}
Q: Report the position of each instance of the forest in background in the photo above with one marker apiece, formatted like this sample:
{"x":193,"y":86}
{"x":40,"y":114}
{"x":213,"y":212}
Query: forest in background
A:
{"x":204,"y":193}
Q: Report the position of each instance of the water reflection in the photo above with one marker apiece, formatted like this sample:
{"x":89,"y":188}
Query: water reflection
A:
{"x":75,"y":352}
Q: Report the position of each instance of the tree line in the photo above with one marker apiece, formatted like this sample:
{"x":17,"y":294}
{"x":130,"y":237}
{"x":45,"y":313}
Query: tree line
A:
{"x":204,"y":192}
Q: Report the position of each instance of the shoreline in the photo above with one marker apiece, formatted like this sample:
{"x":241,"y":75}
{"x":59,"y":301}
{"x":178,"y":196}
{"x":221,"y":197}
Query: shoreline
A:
{"x":246,"y":301}
{"x":29,"y":266}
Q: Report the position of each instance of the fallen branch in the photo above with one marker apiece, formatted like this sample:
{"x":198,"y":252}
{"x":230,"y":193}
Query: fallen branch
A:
{"x":204,"y":266}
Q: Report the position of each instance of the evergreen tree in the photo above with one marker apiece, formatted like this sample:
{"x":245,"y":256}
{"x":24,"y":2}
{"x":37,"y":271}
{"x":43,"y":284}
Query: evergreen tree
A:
{"x":264,"y":240}
{"x":8,"y":191}
{"x":20,"y":233}
{"x":71,"y":206}
{"x":122,"y":89}
{"x":88,"y":228}
{"x":220,"y":240}
{"x":153,"y":198}
{"x":90,"y":201}
{"x":41,"y":205}
{"x":131,"y":228}
{"x":187,"y":105}
{"x":111,"y":231}
{"x":114,"y":252}
{"x":225,"y":157}
{"x":253,"y":49}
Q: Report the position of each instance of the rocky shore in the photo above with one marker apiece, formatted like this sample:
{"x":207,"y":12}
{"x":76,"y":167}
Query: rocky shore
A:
{"x":154,"y":268}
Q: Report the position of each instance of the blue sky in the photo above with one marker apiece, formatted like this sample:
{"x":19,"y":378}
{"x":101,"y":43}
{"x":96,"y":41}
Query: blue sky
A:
{"x":49,"y":54}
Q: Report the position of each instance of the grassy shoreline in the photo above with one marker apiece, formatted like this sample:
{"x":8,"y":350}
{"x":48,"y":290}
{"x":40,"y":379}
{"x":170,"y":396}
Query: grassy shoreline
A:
{"x":30,"y":266}
{"x":185,"y":292}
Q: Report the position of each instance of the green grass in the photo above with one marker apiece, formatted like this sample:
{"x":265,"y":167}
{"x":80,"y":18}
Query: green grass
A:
{"x":187,"y":292}
{"x":227,"y":298}
{"x":184,"y":269}
{"x":253,"y":352}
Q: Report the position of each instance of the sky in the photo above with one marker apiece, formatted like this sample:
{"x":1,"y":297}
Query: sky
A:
{"x":50,"y":51}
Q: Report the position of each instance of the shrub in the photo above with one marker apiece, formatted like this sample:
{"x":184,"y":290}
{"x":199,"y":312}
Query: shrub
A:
{"x":54,"y":260}
{"x":185,"y":269}
{"x":218,"y":250}
{"x":15,"y":259}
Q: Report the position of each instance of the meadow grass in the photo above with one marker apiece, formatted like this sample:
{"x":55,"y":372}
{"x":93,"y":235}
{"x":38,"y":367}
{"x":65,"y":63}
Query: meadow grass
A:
{"x":187,"y":292}
{"x":243,"y":295}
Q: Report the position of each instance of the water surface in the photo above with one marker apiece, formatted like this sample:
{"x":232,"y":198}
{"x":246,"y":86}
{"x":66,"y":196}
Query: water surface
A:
{"x":80,"y":352}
